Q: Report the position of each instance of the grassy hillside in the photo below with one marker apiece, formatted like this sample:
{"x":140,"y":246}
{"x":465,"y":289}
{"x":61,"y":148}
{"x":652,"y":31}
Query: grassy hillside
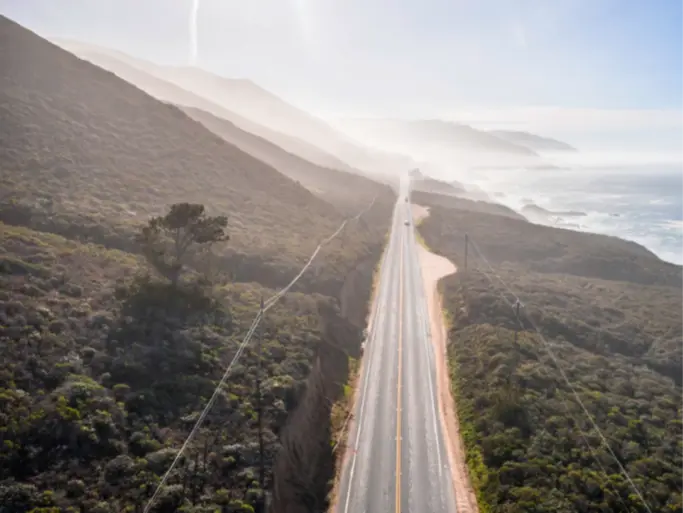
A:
{"x":520,"y":244}
{"x":88,"y":155}
{"x":349,"y":192}
{"x":151,"y":78}
{"x":267,"y":109}
{"x":611,"y":314}
{"x":464,"y":204}
{"x":268,"y":115}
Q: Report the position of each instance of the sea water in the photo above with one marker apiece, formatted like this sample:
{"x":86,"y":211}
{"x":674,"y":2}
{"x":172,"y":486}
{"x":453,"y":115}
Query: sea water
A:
{"x":639,"y":203}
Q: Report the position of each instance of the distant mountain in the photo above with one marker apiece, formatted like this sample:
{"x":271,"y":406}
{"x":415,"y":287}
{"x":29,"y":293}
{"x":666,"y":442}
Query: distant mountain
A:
{"x":252,"y":102}
{"x":532,"y":141}
{"x":97,"y":348}
{"x":149,"y":77}
{"x":430,"y":135}
{"x":85,"y":153}
{"x":348,"y":191}
{"x":342,"y":185}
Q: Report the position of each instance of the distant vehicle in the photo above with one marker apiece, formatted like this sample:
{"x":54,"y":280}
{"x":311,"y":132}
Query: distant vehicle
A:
{"x":407,"y":223}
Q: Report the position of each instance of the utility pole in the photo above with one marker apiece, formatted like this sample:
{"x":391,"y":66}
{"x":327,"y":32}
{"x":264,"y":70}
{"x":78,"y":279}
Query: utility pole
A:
{"x":467,"y":241}
{"x":516,"y":307}
{"x":259,"y":408}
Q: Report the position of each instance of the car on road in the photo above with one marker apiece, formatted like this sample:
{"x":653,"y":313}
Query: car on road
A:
{"x":407,"y":223}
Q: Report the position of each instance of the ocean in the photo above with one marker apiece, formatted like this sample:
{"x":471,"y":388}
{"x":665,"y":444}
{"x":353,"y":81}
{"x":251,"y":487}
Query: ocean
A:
{"x":636,"y":203}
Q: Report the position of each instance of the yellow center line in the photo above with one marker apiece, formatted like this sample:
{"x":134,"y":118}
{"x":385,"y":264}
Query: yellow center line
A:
{"x":398,"y":382}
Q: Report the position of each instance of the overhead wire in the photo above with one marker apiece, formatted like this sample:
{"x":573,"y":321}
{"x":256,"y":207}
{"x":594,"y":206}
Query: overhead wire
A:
{"x":555,"y":360}
{"x":267,"y":305}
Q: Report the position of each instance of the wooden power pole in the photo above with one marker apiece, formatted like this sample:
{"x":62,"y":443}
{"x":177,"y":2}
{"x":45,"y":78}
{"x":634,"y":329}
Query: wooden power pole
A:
{"x":259,"y":410}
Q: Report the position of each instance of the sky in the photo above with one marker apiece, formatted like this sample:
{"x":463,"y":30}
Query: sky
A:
{"x":568,"y":67}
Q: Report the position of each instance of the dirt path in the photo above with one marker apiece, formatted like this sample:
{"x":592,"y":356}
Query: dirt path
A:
{"x":435,"y":267}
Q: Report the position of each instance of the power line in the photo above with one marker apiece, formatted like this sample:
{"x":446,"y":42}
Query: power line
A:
{"x":270,"y":302}
{"x":264,"y":308}
{"x":546,"y":346}
{"x":205,"y":412}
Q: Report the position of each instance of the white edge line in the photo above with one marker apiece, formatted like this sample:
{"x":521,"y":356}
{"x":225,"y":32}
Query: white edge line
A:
{"x":359,"y":420}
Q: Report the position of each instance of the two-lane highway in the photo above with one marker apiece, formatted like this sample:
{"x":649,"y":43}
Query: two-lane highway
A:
{"x":396,"y":460}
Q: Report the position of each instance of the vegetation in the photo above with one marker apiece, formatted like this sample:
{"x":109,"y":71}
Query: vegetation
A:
{"x":89,"y":156}
{"x":439,"y":198}
{"x":349,"y":192}
{"x":105,"y":367}
{"x":610,"y":313}
{"x":168,"y":240}
{"x":318,"y":171}
{"x":104,"y":371}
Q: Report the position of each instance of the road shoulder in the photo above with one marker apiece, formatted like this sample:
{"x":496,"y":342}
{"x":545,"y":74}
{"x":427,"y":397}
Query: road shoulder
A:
{"x":434,"y":268}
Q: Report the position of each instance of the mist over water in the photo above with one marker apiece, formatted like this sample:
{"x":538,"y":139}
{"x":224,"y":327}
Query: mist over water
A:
{"x":639,"y":202}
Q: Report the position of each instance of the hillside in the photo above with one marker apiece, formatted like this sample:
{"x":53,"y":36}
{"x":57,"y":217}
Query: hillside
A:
{"x":153,"y":80}
{"x":427,"y":184}
{"x":253,"y":102}
{"x":287,"y":126}
{"x":464,"y":204}
{"x":611,"y":312}
{"x":349,"y":192}
{"x":86,"y":154}
{"x":330,"y":183}
{"x":430,"y":136}
{"x":103,"y":375}
{"x":561,"y":251}
{"x":106,"y":366}
{"x":532,"y":141}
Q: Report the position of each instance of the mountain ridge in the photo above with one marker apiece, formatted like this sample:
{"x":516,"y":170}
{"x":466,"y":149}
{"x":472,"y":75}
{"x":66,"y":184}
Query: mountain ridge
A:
{"x":278,"y":114}
{"x":433,"y":132}
{"x":533,"y":141}
{"x":141,"y":73}
{"x":68,"y":140}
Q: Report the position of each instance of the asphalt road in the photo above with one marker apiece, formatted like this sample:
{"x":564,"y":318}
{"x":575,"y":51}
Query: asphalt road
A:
{"x":396,"y":458}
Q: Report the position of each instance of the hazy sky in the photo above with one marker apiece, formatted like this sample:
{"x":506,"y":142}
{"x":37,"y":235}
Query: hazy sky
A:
{"x":557,"y":61}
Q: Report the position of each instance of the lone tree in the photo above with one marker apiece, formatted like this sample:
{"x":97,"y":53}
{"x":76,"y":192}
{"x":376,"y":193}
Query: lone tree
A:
{"x":168,"y":241}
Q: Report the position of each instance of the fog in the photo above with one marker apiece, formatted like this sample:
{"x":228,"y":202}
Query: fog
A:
{"x":525,"y":102}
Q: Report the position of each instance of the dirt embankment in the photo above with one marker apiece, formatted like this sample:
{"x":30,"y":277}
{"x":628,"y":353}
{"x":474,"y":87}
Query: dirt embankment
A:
{"x":305,"y":465}
{"x":435,"y":267}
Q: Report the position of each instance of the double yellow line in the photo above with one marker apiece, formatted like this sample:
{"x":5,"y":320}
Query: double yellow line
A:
{"x":399,"y":379}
